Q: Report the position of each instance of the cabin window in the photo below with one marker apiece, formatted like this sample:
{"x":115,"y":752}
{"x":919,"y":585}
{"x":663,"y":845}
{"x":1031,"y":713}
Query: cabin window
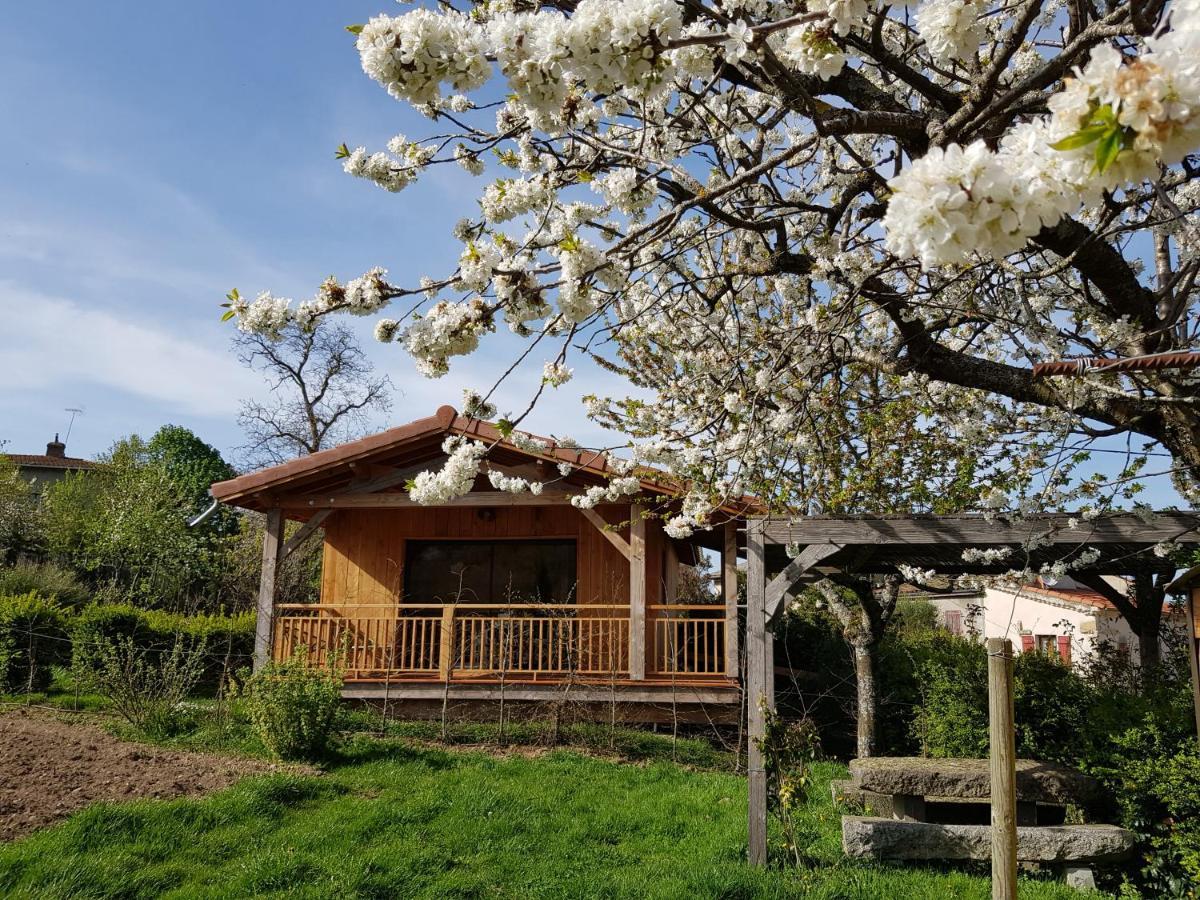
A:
{"x":490,"y":571}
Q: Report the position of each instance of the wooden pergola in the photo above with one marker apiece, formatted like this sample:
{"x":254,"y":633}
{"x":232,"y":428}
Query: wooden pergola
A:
{"x":1115,"y":544}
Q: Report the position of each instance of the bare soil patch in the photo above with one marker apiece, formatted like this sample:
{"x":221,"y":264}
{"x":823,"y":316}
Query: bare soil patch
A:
{"x":51,"y":766}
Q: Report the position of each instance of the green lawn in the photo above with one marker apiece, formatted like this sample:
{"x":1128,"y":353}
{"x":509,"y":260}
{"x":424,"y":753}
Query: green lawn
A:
{"x":393,"y":819}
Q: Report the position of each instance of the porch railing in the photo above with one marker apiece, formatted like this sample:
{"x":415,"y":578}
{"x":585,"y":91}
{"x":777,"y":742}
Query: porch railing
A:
{"x":490,"y":641}
{"x":689,"y":639}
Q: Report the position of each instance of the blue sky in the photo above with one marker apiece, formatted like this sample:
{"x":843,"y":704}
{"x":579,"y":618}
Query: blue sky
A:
{"x":157,"y":155}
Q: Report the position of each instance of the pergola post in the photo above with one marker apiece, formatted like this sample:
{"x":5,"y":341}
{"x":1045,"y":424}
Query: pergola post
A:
{"x":637,"y":593}
{"x":729,"y":588}
{"x":759,"y":694}
{"x":272,"y":551}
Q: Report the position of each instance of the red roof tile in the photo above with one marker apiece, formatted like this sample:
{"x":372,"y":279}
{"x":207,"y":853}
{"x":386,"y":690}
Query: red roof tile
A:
{"x":41,"y":461}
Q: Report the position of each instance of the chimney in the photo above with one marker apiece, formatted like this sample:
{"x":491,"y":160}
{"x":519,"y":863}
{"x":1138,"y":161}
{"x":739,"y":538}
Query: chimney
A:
{"x":56,"y":448}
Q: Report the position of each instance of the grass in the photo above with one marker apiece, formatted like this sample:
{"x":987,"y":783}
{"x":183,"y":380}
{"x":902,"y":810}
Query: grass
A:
{"x":394,"y":818}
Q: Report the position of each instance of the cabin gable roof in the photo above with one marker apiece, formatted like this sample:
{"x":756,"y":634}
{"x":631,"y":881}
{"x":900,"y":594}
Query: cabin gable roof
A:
{"x":409,"y":448}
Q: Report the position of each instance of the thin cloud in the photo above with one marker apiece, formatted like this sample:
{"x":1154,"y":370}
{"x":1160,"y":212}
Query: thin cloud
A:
{"x":62,"y":342}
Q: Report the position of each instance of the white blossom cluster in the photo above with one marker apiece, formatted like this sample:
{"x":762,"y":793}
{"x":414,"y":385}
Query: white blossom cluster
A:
{"x":456,"y":477}
{"x":810,"y":50}
{"x":512,"y":484}
{"x":412,"y":54}
{"x":447,"y":329}
{"x":951,"y":29}
{"x":556,"y":374}
{"x":616,"y":490}
{"x":956,"y":201}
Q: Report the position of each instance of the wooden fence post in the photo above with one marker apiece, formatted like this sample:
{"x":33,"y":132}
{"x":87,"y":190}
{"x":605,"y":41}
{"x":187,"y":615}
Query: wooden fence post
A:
{"x":729,"y":588}
{"x":264,"y":626}
{"x":1003,"y":742}
{"x":757,"y":659}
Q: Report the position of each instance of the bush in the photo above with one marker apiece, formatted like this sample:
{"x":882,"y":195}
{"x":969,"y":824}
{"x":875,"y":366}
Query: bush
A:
{"x":228,"y":640}
{"x":46,"y":579}
{"x":145,"y":685}
{"x":1156,"y":780}
{"x":295,"y":708}
{"x":952,"y":718}
{"x":33,"y":637}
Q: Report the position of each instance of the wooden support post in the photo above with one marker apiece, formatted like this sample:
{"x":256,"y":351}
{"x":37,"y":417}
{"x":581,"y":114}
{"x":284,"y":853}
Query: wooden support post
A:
{"x":671,"y":575}
{"x":264,"y":627}
{"x":1193,"y":630}
{"x":729,"y":588}
{"x":1003,"y":740}
{"x":758,"y":657}
{"x":637,"y":592}
{"x":446,"y":645}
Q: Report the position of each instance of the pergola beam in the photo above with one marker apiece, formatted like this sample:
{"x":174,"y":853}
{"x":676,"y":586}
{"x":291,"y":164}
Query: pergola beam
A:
{"x":782,"y":583}
{"x":985,"y":532}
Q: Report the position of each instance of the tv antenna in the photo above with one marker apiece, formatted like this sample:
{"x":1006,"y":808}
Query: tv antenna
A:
{"x":74,"y":412}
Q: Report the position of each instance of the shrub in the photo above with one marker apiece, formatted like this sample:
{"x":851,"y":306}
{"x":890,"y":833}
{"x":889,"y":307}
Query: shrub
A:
{"x":46,"y":579}
{"x":33,"y":637}
{"x":145,"y":685}
{"x":295,"y":708}
{"x":952,"y":717}
{"x":1156,"y":780}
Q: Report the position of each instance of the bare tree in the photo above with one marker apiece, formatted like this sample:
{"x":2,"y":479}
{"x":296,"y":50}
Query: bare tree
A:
{"x":323,"y":391}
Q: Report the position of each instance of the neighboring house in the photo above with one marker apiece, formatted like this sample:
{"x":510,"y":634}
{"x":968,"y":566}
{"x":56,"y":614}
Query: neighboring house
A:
{"x":1061,"y":617}
{"x":43,"y":470}
{"x":495,"y":593}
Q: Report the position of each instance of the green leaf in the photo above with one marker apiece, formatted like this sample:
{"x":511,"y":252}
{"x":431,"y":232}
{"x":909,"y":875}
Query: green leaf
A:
{"x":1107,"y":150}
{"x":233,"y":296}
{"x":1082,"y":137}
{"x":355,"y":29}
{"x":342,"y":151}
{"x":229,"y":314}
{"x":505,"y":427}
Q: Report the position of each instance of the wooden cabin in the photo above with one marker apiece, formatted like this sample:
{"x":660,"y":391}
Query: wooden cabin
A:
{"x":494,"y":591}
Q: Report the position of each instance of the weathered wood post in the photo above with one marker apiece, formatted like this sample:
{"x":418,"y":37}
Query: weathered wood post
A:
{"x":264,"y":626}
{"x":1003,"y":742}
{"x":637,"y":592}
{"x":758,"y":657}
{"x":729,"y":588}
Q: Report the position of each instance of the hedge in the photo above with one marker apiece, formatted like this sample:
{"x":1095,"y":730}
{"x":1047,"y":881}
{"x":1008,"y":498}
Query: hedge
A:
{"x":34,"y":637}
{"x":229,"y":640}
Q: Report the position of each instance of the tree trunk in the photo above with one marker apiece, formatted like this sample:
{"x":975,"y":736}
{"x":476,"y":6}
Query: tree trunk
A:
{"x":866,"y":700}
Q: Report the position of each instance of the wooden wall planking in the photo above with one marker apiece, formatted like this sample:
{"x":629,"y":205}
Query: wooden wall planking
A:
{"x":364,"y":548}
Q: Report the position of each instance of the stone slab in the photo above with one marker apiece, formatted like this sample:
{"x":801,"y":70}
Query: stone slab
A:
{"x":971,"y":779}
{"x":849,"y":792}
{"x":878,"y":838}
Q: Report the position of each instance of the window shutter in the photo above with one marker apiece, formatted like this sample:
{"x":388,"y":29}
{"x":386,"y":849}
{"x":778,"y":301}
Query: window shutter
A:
{"x":1064,"y":648}
{"x":954,"y":621}
{"x":1026,"y":643}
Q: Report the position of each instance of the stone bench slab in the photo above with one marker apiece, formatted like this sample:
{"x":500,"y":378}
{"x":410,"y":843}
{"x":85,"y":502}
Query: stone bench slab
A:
{"x":971,"y":779}
{"x":877,"y":838}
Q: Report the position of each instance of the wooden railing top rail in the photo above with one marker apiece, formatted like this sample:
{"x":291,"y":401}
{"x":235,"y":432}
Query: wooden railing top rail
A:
{"x":549,"y":607}
{"x":350,"y":604}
